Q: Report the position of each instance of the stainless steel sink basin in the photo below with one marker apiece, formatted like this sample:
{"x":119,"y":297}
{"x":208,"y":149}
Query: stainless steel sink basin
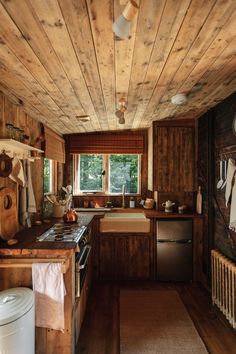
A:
{"x":124,"y":222}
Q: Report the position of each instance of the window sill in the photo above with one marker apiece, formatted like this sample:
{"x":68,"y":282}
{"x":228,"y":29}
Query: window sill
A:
{"x":106,"y":195}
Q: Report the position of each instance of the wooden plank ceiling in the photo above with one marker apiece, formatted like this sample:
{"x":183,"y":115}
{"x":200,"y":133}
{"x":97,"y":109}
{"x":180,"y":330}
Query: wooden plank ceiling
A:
{"x":59,"y":58}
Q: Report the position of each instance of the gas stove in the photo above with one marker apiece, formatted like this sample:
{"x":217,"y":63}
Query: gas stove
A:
{"x":63,"y":233}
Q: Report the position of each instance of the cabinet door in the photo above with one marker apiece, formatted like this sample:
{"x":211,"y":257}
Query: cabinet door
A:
{"x":121,"y":257}
{"x":106,"y":256}
{"x":174,"y":159}
{"x":138,"y":255}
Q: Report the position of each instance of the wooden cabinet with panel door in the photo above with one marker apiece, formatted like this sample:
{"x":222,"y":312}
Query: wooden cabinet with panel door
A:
{"x":174,"y":162}
{"x":125,"y":256}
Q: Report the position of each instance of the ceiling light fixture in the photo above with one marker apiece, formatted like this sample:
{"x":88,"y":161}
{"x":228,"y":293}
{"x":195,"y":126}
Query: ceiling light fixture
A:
{"x":120,"y":112}
{"x":122,"y":25}
{"x":83,"y":119}
{"x":179,"y":99}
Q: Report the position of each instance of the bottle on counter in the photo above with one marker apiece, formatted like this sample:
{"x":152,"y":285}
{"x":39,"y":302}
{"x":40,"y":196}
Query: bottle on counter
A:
{"x":199,"y":201}
{"x":132,"y":203}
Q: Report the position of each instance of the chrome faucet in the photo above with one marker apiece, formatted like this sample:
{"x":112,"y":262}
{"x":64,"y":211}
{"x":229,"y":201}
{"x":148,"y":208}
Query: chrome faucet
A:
{"x":123,"y":196}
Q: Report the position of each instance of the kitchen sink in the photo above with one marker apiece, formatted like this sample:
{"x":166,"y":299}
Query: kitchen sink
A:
{"x":124,"y":222}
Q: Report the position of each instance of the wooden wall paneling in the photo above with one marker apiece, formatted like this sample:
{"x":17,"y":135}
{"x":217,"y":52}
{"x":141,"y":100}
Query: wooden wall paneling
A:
{"x":40,"y":46}
{"x":9,"y":60}
{"x":182,"y":44}
{"x":150,"y":159}
{"x":76,"y":17}
{"x":223,"y":115}
{"x":175,"y":159}
{"x":53,"y":23}
{"x":124,"y":49}
{"x":205,"y":174}
{"x":174,"y":162}
{"x":209,"y":39}
{"x":144,"y":40}
{"x":2,"y":120}
{"x":15,"y":115}
{"x":172,"y":17}
{"x":68,"y":62}
{"x":104,"y":47}
{"x":212,"y":83}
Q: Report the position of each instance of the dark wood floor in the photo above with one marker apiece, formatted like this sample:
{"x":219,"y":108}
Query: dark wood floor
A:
{"x":100,"y":329}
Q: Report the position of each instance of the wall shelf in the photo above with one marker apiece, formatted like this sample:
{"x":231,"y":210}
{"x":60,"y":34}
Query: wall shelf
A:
{"x":15,"y":148}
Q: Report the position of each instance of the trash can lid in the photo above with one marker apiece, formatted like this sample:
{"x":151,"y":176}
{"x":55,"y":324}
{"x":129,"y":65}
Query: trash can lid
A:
{"x":14,"y":303}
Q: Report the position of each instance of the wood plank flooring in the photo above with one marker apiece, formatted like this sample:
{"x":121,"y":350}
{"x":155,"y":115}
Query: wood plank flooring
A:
{"x":100,"y":329}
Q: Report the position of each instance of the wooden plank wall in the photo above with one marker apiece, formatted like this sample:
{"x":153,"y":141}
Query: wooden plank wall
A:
{"x":12,"y":113}
{"x":174,"y":162}
{"x":115,"y":200}
{"x":215,"y":128}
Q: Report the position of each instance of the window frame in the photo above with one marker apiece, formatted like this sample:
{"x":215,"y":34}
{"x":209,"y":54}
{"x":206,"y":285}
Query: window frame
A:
{"x":53,"y":176}
{"x":105,"y":178}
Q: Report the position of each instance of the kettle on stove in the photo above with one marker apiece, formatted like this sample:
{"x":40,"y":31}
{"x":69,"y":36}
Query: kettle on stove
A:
{"x":70,"y":216}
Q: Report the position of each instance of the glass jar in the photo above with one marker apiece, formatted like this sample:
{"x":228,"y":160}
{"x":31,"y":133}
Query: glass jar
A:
{"x":21,"y":135}
{"x":26,"y":139}
{"x":10,"y":131}
{"x":16,"y":133}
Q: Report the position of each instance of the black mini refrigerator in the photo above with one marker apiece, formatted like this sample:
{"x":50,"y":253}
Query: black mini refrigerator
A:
{"x":174,"y":250}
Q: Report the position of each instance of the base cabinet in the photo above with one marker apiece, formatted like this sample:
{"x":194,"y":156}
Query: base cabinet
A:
{"x":124,"y":256}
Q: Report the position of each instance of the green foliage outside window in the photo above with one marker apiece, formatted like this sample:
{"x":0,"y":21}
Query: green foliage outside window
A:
{"x":123,"y":171}
{"x":47,"y":176}
{"x":91,"y":172}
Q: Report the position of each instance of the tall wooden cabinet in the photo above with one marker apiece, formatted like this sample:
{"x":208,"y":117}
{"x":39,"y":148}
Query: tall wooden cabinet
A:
{"x":174,"y":162}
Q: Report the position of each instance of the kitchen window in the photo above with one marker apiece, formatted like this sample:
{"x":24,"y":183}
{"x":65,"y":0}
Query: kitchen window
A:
{"x":48,"y":176}
{"x":106,"y":173}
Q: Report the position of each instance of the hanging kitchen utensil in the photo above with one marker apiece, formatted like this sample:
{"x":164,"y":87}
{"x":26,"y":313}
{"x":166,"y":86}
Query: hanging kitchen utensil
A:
{"x":5,"y":165}
{"x":8,"y":214}
{"x":220,"y":182}
{"x":225,"y":174}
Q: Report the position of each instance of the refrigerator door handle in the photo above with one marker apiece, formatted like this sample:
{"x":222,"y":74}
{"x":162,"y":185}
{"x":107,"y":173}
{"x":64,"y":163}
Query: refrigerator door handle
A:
{"x":165,"y":241}
{"x":184,"y":241}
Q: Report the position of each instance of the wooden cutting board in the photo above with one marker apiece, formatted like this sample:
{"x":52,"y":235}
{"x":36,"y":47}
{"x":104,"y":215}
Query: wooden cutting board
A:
{"x":8,"y":214}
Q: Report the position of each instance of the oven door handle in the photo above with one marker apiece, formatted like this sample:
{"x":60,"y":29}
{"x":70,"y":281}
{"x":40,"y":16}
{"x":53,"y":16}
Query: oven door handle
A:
{"x":87,"y":247}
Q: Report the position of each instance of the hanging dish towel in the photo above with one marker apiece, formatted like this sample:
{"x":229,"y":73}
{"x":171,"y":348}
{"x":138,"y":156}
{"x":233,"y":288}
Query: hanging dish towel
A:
{"x":17,"y":173}
{"x":49,"y":289}
{"x":229,"y":180}
{"x":232,"y":219}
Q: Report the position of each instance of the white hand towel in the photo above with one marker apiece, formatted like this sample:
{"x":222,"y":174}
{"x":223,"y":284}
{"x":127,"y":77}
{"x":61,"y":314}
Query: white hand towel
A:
{"x":232,"y":219}
{"x":229,"y":180}
{"x":49,"y":289}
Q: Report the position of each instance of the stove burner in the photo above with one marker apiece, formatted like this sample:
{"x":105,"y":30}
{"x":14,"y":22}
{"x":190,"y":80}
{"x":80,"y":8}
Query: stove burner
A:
{"x":63,"y":233}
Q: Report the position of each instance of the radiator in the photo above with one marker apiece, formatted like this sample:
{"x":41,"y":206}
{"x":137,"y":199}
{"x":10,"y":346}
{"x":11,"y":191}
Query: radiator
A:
{"x":223,"y":285}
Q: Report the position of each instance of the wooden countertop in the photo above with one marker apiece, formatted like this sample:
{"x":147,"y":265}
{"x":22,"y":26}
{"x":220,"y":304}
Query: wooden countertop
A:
{"x":28,"y":246}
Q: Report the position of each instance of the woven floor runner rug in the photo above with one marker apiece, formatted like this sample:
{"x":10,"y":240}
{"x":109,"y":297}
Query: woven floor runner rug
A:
{"x":156,"y":322}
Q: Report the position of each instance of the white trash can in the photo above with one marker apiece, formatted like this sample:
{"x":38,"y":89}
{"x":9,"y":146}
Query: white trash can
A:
{"x":17,"y":321}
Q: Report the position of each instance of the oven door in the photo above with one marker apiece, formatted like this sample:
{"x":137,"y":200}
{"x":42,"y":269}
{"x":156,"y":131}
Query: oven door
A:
{"x":81,"y":268}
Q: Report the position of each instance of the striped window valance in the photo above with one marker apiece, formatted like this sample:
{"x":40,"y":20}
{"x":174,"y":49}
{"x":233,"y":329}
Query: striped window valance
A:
{"x":125,"y":142}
